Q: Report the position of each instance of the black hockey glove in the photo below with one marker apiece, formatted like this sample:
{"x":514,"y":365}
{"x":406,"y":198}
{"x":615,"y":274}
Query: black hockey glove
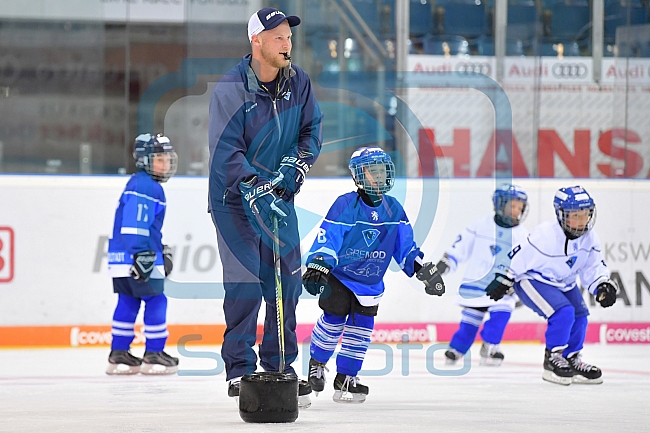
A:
{"x":167,"y":256}
{"x":431,"y":278}
{"x":443,"y":265}
{"x":606,"y":294}
{"x":264,"y":202}
{"x":292,"y":172}
{"x":315,"y":278}
{"x":143,"y":264}
{"x":499,"y":287}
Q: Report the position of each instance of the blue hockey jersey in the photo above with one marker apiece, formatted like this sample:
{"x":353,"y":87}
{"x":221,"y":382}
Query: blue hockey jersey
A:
{"x":358,"y":241}
{"x":137,"y":225}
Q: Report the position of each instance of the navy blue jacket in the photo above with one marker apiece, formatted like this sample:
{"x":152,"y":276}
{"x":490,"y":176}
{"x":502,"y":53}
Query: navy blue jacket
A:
{"x":250,"y":131}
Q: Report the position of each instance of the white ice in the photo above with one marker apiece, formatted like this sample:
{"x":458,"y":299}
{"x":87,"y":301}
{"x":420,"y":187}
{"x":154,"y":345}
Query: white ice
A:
{"x":66,"y":390}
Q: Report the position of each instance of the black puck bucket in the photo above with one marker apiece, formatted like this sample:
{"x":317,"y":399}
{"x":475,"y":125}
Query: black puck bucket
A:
{"x":268,"y":397}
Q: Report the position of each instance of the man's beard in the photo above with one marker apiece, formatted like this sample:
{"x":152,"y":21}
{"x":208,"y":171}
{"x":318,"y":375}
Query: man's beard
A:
{"x":273,"y":59}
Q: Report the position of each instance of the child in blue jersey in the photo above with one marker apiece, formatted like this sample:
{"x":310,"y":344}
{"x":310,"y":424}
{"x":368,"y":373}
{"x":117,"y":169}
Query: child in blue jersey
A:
{"x":138,"y":261}
{"x":362,"y":231}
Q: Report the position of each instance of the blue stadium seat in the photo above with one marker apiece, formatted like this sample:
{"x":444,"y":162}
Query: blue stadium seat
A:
{"x":468,"y":19}
{"x":421,"y":17}
{"x":445,"y":45}
{"x":524,"y":12}
{"x":616,"y":14}
{"x":570,"y":20}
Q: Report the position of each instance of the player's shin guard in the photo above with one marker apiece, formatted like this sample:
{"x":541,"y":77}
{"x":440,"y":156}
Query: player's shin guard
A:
{"x":155,"y":360}
{"x":354,"y":344}
{"x":124,"y":317}
{"x":325,"y":337}
{"x":466,"y":334}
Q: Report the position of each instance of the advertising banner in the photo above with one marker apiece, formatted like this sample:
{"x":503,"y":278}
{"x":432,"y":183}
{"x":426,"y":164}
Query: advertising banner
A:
{"x":54,"y":232}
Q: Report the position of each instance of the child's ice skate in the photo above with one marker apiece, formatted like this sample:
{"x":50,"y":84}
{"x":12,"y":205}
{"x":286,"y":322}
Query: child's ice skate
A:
{"x":348,"y":389}
{"x":317,"y":376}
{"x":158,"y":363}
{"x":491,"y":355}
{"x":584,"y":373}
{"x":122,"y":362}
{"x":556,"y":368}
{"x":452,"y":355}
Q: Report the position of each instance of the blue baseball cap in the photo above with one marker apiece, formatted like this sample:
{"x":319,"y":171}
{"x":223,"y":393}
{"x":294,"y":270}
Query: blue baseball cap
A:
{"x":267,"y":19}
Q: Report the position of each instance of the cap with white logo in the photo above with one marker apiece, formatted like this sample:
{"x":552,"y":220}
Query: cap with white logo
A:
{"x":267,"y":19}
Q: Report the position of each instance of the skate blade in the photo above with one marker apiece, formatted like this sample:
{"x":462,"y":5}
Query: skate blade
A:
{"x":121,"y":369}
{"x":549,"y":376}
{"x":450,"y":361}
{"x":348,"y":397}
{"x":490,"y":362}
{"x":304,"y":401}
{"x":581,"y":380}
{"x":157,"y":369}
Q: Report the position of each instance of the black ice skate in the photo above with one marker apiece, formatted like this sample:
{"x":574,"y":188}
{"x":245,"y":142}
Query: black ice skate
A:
{"x":348,"y":389}
{"x":584,"y":373}
{"x":122,"y":362}
{"x":451,"y":356}
{"x":304,"y":392}
{"x":158,"y":363}
{"x":556,"y":368}
{"x":491,"y":355}
{"x":317,"y":376}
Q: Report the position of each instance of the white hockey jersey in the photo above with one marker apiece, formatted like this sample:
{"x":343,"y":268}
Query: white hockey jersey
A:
{"x":549,"y":256}
{"x":484,"y":245}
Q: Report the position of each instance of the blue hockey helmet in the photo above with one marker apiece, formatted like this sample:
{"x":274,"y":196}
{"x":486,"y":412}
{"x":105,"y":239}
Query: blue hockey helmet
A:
{"x":146,"y":147}
{"x":502,"y":196}
{"x":363,"y":161}
{"x":574,"y":198}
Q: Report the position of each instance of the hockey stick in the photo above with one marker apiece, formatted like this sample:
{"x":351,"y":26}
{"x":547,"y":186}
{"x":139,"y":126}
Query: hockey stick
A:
{"x":278,"y":290}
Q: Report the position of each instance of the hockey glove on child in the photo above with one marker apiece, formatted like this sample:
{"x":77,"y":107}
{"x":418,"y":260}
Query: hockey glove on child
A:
{"x":431,"y":278}
{"x":263,"y":201}
{"x":292,"y":172}
{"x":606,"y":294}
{"x":315,"y":278}
{"x":143,"y":264}
{"x":167,"y":256}
{"x":499,"y":287}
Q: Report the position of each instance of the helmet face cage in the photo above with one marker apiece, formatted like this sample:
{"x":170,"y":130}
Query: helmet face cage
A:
{"x":369,"y":159}
{"x":570,"y":199}
{"x":502,"y":197}
{"x":147,"y":147}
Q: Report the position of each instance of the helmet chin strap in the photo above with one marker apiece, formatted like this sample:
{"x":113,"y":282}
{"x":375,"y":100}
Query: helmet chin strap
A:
{"x":369,"y":199}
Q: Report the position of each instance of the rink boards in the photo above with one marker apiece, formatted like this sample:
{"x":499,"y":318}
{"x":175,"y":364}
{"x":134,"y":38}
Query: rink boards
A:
{"x":55,"y":291}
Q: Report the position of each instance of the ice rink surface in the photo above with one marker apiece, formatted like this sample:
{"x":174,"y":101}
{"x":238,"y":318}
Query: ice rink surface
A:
{"x":66,"y":390}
